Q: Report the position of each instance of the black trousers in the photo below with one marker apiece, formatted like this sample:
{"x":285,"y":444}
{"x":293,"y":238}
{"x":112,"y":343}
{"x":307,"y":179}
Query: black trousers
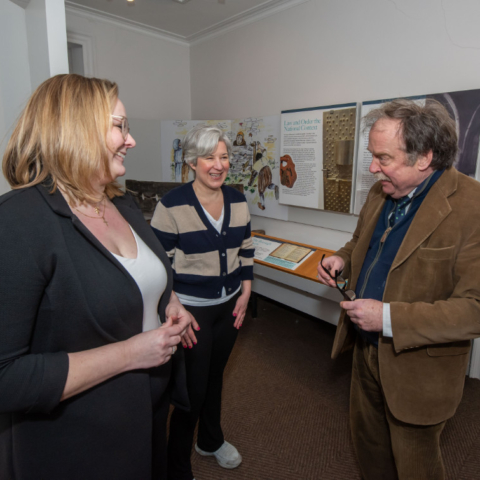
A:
{"x":205,"y":364}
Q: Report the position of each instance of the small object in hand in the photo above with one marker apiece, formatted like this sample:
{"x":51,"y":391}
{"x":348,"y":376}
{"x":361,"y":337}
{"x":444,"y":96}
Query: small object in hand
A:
{"x":348,"y":295}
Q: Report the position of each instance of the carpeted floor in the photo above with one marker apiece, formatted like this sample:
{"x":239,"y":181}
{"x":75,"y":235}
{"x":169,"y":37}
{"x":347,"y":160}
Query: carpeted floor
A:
{"x":285,"y":406}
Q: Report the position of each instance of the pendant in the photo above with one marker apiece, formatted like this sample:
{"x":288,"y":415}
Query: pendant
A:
{"x":97,"y":210}
{"x":105,"y":222}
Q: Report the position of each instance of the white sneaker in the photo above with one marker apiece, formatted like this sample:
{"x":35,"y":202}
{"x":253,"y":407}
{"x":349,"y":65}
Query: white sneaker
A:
{"x":227,"y":455}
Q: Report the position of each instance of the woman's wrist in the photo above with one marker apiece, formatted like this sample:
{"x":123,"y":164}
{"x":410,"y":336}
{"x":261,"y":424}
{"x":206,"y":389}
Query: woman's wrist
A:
{"x":127,"y":354}
{"x":246,"y":288}
{"x":174,"y":302}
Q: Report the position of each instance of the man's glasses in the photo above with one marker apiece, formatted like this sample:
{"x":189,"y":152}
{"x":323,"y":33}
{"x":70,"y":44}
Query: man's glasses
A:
{"x":348,"y":295}
{"x":125,"y":126}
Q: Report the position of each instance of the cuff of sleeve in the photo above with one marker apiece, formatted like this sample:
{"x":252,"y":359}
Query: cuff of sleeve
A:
{"x":53,"y":382}
{"x":246,"y":273}
{"x":387,"y":321}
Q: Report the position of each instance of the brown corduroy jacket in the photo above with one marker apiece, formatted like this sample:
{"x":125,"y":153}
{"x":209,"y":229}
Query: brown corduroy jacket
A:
{"x":433,"y":289}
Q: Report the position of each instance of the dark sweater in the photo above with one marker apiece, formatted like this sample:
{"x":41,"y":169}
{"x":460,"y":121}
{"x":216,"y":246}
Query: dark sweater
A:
{"x":383,"y":248}
{"x":204,"y":260}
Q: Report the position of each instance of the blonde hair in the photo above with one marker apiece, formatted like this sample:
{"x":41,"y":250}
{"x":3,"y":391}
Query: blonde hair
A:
{"x":61,"y":136}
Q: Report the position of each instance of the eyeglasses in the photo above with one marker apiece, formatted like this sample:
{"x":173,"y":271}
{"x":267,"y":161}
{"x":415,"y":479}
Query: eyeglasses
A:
{"x":348,"y":295}
{"x":125,"y":126}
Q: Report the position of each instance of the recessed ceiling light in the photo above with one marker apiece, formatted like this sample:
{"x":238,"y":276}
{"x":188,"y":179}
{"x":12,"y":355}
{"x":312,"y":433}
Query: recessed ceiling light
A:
{"x":181,"y":1}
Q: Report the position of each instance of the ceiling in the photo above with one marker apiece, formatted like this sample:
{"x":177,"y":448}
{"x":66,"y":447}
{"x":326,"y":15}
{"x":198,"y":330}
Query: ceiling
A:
{"x":188,"y":21}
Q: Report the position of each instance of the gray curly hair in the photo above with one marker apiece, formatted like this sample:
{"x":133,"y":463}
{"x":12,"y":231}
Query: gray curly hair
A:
{"x":423,"y":128}
{"x":202,"y":141}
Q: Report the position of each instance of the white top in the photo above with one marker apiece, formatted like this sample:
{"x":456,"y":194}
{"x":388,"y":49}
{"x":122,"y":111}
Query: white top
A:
{"x":151,"y":277}
{"x":205,"y":302}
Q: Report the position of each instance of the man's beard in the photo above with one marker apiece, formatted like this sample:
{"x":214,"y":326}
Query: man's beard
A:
{"x":381,"y":176}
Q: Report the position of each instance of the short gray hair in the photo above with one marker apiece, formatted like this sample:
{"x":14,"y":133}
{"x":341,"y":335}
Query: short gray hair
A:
{"x":422,"y":128}
{"x":202,"y":141}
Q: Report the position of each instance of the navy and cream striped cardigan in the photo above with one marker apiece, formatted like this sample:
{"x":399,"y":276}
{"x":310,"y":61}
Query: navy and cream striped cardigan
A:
{"x":205,"y":261}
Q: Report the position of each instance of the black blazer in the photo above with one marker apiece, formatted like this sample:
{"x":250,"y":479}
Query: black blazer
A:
{"x":62,"y":291}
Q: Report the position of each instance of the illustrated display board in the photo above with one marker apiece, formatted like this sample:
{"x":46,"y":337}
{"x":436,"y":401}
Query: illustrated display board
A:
{"x":283,"y":254}
{"x":255,"y":160}
{"x":317,"y":157}
{"x":463,"y":107}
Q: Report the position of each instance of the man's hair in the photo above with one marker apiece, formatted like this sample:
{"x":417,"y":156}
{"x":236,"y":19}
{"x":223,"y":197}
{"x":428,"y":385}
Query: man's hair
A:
{"x":202,"y":141}
{"x":422,"y":128}
{"x":61,"y":136}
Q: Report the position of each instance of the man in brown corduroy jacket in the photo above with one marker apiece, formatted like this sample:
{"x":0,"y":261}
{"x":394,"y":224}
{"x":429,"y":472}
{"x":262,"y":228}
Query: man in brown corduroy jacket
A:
{"x":414,"y":265}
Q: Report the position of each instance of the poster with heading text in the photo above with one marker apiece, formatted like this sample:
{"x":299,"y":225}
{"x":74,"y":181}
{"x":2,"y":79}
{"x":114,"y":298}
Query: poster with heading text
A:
{"x":316,"y":158}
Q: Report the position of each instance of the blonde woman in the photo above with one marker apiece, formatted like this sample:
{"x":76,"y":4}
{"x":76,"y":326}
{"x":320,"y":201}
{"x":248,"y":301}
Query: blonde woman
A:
{"x":85,"y":287}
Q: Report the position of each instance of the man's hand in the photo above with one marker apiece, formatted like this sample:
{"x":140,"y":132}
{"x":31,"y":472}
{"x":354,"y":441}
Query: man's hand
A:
{"x":366,"y":313}
{"x":331,"y":264}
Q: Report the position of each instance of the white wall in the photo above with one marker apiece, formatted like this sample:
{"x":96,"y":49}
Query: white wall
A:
{"x":153,"y":75}
{"x":15,"y":84}
{"x":34,"y":47}
{"x":325,"y":52}
{"x":47,"y":39}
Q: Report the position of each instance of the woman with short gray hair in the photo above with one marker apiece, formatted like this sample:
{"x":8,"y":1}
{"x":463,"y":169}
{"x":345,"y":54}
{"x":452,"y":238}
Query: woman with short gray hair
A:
{"x":204,"y":227}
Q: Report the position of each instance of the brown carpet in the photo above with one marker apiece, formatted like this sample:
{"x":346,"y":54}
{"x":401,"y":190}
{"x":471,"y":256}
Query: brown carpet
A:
{"x":285,"y":406}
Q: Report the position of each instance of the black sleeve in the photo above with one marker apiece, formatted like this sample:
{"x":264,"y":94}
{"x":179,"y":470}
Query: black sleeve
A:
{"x":28,"y":382}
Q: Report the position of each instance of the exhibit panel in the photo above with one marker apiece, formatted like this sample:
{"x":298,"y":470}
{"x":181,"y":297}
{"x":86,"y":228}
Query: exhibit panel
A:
{"x":317,"y":157}
{"x":286,"y":272}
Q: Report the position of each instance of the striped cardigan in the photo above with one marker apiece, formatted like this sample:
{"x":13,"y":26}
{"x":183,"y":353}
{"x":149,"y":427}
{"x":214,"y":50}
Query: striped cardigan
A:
{"x":205,"y":261}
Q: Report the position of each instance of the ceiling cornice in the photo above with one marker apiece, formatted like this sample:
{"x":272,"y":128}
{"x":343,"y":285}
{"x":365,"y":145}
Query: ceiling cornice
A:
{"x":249,"y":16}
{"x":94,"y":14}
{"x":21,"y":3}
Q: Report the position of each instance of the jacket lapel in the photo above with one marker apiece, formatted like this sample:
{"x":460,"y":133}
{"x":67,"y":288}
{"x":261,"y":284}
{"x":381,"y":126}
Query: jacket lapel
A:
{"x":132,"y":215}
{"x":370,"y":219}
{"x":60,"y":206}
{"x":433,"y":210}
{"x":144,"y":231}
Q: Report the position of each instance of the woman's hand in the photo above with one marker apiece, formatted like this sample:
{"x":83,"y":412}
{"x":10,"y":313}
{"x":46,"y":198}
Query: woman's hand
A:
{"x":177,"y":309}
{"x":242,"y":303}
{"x":188,"y":338}
{"x":155,"y":347}
{"x":145,"y":350}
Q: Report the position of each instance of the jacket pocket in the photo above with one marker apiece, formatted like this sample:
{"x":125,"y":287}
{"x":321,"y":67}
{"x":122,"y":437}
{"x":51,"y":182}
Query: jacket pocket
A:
{"x":432,"y":254}
{"x":454,"y":348}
